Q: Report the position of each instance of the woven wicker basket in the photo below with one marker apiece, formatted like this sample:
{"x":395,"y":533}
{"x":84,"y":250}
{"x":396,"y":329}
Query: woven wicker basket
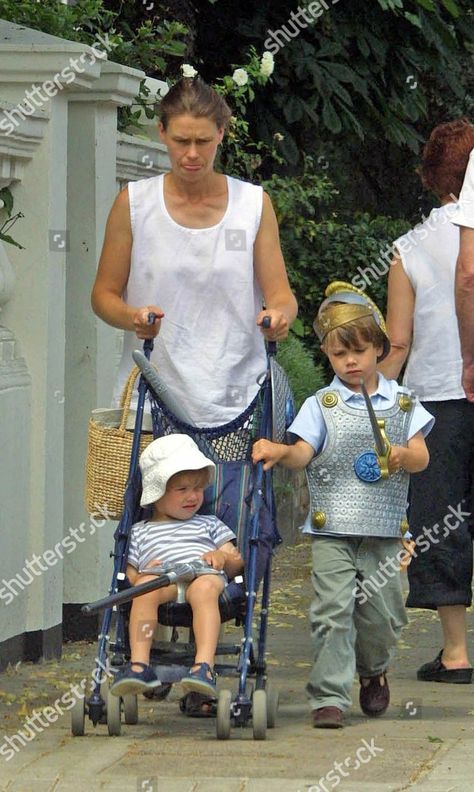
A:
{"x":109,"y":450}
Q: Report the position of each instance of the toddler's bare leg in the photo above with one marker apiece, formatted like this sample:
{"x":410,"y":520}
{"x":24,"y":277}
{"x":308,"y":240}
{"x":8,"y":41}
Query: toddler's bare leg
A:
{"x":144,"y":617}
{"x":203,"y":594}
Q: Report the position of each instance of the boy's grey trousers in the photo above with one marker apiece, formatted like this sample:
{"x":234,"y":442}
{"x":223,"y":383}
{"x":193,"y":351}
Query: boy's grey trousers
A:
{"x":356,"y":616}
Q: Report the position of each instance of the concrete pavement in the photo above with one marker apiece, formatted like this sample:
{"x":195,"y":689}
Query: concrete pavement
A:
{"x":425,"y":741}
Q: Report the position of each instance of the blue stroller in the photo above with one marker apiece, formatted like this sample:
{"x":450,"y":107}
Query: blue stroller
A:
{"x":242,"y":497}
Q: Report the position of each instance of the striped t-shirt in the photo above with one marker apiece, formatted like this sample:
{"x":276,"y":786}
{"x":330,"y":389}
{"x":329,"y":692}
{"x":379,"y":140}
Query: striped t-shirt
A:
{"x":177,"y":541}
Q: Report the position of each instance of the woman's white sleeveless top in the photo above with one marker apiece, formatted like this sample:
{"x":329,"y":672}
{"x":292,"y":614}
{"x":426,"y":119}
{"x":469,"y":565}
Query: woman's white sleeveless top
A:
{"x":209,"y":351}
{"x":429,"y":252}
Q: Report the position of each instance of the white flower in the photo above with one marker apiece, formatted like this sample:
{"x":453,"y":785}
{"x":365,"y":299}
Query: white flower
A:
{"x":267,"y":64}
{"x":240,"y":77}
{"x":188,"y":70}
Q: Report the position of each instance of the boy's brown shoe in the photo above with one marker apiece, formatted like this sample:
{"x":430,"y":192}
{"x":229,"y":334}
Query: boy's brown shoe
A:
{"x":374,"y":698}
{"x":328,"y":718}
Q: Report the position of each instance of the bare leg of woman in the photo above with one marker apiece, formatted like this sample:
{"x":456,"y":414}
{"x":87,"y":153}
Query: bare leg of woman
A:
{"x":453,"y":622}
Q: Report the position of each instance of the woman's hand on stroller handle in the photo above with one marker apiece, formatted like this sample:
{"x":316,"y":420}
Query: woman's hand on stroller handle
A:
{"x":147,"y":321}
{"x":274,"y":324}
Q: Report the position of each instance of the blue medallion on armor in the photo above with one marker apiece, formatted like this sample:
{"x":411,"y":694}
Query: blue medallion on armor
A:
{"x":367,"y":467}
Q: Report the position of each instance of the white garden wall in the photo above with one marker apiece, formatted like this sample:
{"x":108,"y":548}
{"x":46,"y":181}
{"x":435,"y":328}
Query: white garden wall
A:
{"x":64,"y":161}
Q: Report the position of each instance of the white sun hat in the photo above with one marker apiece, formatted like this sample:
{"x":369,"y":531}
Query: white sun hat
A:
{"x":166,"y":456}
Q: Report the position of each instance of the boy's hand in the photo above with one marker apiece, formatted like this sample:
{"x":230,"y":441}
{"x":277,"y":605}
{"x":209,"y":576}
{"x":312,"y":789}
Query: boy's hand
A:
{"x":396,"y":459}
{"x":215,"y":558}
{"x":269,"y":452}
{"x":413,"y":458}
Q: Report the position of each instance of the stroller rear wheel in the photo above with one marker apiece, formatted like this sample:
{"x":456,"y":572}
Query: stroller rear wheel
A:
{"x":130,"y":709}
{"x":78,"y":714}
{"x":223,"y":715}
{"x":272,"y":705}
{"x":113,"y":714}
{"x":259,"y":715}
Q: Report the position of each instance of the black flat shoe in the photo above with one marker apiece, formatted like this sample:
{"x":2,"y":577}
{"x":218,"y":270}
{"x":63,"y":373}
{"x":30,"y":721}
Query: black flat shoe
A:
{"x":437,"y":672}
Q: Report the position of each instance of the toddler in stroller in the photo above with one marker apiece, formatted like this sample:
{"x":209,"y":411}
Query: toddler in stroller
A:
{"x":239,"y":495}
{"x":175,"y":474}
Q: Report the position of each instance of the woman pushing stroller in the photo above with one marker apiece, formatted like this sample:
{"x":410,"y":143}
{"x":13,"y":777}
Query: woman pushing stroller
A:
{"x":201,"y":251}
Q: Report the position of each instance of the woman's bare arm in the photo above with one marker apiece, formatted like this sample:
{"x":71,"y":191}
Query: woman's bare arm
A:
{"x":270,"y":271}
{"x":400,"y":311}
{"x":112,"y":276}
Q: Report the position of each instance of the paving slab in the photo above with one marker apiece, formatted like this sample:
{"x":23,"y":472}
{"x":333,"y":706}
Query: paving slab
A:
{"x":425,"y":741}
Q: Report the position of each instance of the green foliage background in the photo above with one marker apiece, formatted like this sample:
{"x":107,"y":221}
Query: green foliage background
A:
{"x":334,"y":137}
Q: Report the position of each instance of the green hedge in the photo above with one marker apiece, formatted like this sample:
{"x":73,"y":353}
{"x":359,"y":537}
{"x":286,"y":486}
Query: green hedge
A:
{"x":305,"y":378}
{"x":324,"y":251}
{"x":319,"y":246}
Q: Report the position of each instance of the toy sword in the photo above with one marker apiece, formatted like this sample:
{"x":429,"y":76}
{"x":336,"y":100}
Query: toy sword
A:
{"x":382,"y":445}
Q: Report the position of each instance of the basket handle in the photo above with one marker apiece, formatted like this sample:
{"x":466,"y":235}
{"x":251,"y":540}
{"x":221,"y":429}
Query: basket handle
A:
{"x":126,"y":396}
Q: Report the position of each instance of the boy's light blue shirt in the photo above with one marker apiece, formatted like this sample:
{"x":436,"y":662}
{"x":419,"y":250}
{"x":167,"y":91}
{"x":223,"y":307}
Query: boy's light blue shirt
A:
{"x":309,"y":424}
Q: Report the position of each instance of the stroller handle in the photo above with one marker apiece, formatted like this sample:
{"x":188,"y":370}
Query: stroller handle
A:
{"x":125,"y":596}
{"x":266,"y":324}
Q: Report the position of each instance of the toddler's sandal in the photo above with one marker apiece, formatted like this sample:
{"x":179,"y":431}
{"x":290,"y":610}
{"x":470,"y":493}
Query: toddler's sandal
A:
{"x":200,"y":680}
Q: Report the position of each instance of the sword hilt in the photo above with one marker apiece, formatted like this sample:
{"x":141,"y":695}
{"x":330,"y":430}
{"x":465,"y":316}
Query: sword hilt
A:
{"x":383,"y":458}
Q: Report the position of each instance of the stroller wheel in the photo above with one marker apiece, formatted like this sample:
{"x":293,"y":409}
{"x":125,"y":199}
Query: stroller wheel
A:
{"x":223,"y":715}
{"x":78,"y":714}
{"x":272,"y":705}
{"x":130,"y":709}
{"x":259,"y":715}
{"x":113,"y":714}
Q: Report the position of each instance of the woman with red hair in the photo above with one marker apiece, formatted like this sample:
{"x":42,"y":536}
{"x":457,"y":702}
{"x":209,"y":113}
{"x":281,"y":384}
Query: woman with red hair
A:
{"x":423,"y":331}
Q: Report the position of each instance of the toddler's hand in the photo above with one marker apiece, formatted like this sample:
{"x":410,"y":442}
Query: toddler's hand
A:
{"x":215,"y":558}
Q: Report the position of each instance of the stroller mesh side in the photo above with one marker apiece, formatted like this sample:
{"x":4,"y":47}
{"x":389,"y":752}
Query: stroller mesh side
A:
{"x":230,"y":446}
{"x":231,"y":442}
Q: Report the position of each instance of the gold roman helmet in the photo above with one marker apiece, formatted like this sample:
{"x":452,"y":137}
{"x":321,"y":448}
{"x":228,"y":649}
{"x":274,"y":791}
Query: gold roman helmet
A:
{"x":355,"y":304}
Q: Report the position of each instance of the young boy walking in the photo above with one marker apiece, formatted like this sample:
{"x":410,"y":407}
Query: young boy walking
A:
{"x":174,"y":476}
{"x":357,"y":515}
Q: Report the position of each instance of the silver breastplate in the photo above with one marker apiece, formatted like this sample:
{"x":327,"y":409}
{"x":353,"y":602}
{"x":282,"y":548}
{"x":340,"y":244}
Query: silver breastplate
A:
{"x":340,"y":502}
